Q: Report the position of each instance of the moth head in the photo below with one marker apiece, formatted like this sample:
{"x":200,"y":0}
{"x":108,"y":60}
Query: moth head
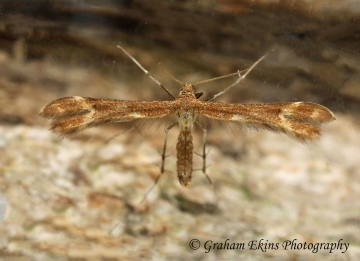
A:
{"x":187,"y":90}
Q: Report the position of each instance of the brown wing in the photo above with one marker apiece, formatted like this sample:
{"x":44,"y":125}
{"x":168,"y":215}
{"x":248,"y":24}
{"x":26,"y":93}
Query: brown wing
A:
{"x":73,"y":114}
{"x":300,"y":120}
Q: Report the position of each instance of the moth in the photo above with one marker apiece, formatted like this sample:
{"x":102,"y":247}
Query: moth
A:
{"x":299,"y":120}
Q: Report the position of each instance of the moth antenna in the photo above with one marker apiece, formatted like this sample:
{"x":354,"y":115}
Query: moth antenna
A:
{"x":145,"y":71}
{"x":172,"y":77}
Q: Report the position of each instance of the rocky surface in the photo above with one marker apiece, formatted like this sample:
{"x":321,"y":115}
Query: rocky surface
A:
{"x":82,"y":198}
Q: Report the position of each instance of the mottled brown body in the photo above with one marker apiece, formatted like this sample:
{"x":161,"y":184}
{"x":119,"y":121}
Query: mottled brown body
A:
{"x":184,"y":164}
{"x":300,"y":120}
{"x":186,"y":116}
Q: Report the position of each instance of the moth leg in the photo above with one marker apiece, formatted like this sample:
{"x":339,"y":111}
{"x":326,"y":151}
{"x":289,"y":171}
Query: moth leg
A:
{"x":241,"y":78}
{"x":118,"y":134}
{"x":163,"y":154}
{"x":204,"y":153}
{"x":163,"y":157}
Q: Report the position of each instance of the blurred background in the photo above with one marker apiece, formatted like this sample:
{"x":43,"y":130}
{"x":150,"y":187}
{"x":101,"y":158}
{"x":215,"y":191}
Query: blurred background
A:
{"x":81,"y":198}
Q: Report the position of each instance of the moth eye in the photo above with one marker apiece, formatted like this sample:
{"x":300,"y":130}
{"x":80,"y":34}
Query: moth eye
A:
{"x":198,"y":95}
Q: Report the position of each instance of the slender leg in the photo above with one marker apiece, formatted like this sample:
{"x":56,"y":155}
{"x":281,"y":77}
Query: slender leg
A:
{"x":118,"y":134}
{"x":163,"y":157}
{"x":163,"y":154}
{"x":241,"y":77}
{"x":204,"y":153}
